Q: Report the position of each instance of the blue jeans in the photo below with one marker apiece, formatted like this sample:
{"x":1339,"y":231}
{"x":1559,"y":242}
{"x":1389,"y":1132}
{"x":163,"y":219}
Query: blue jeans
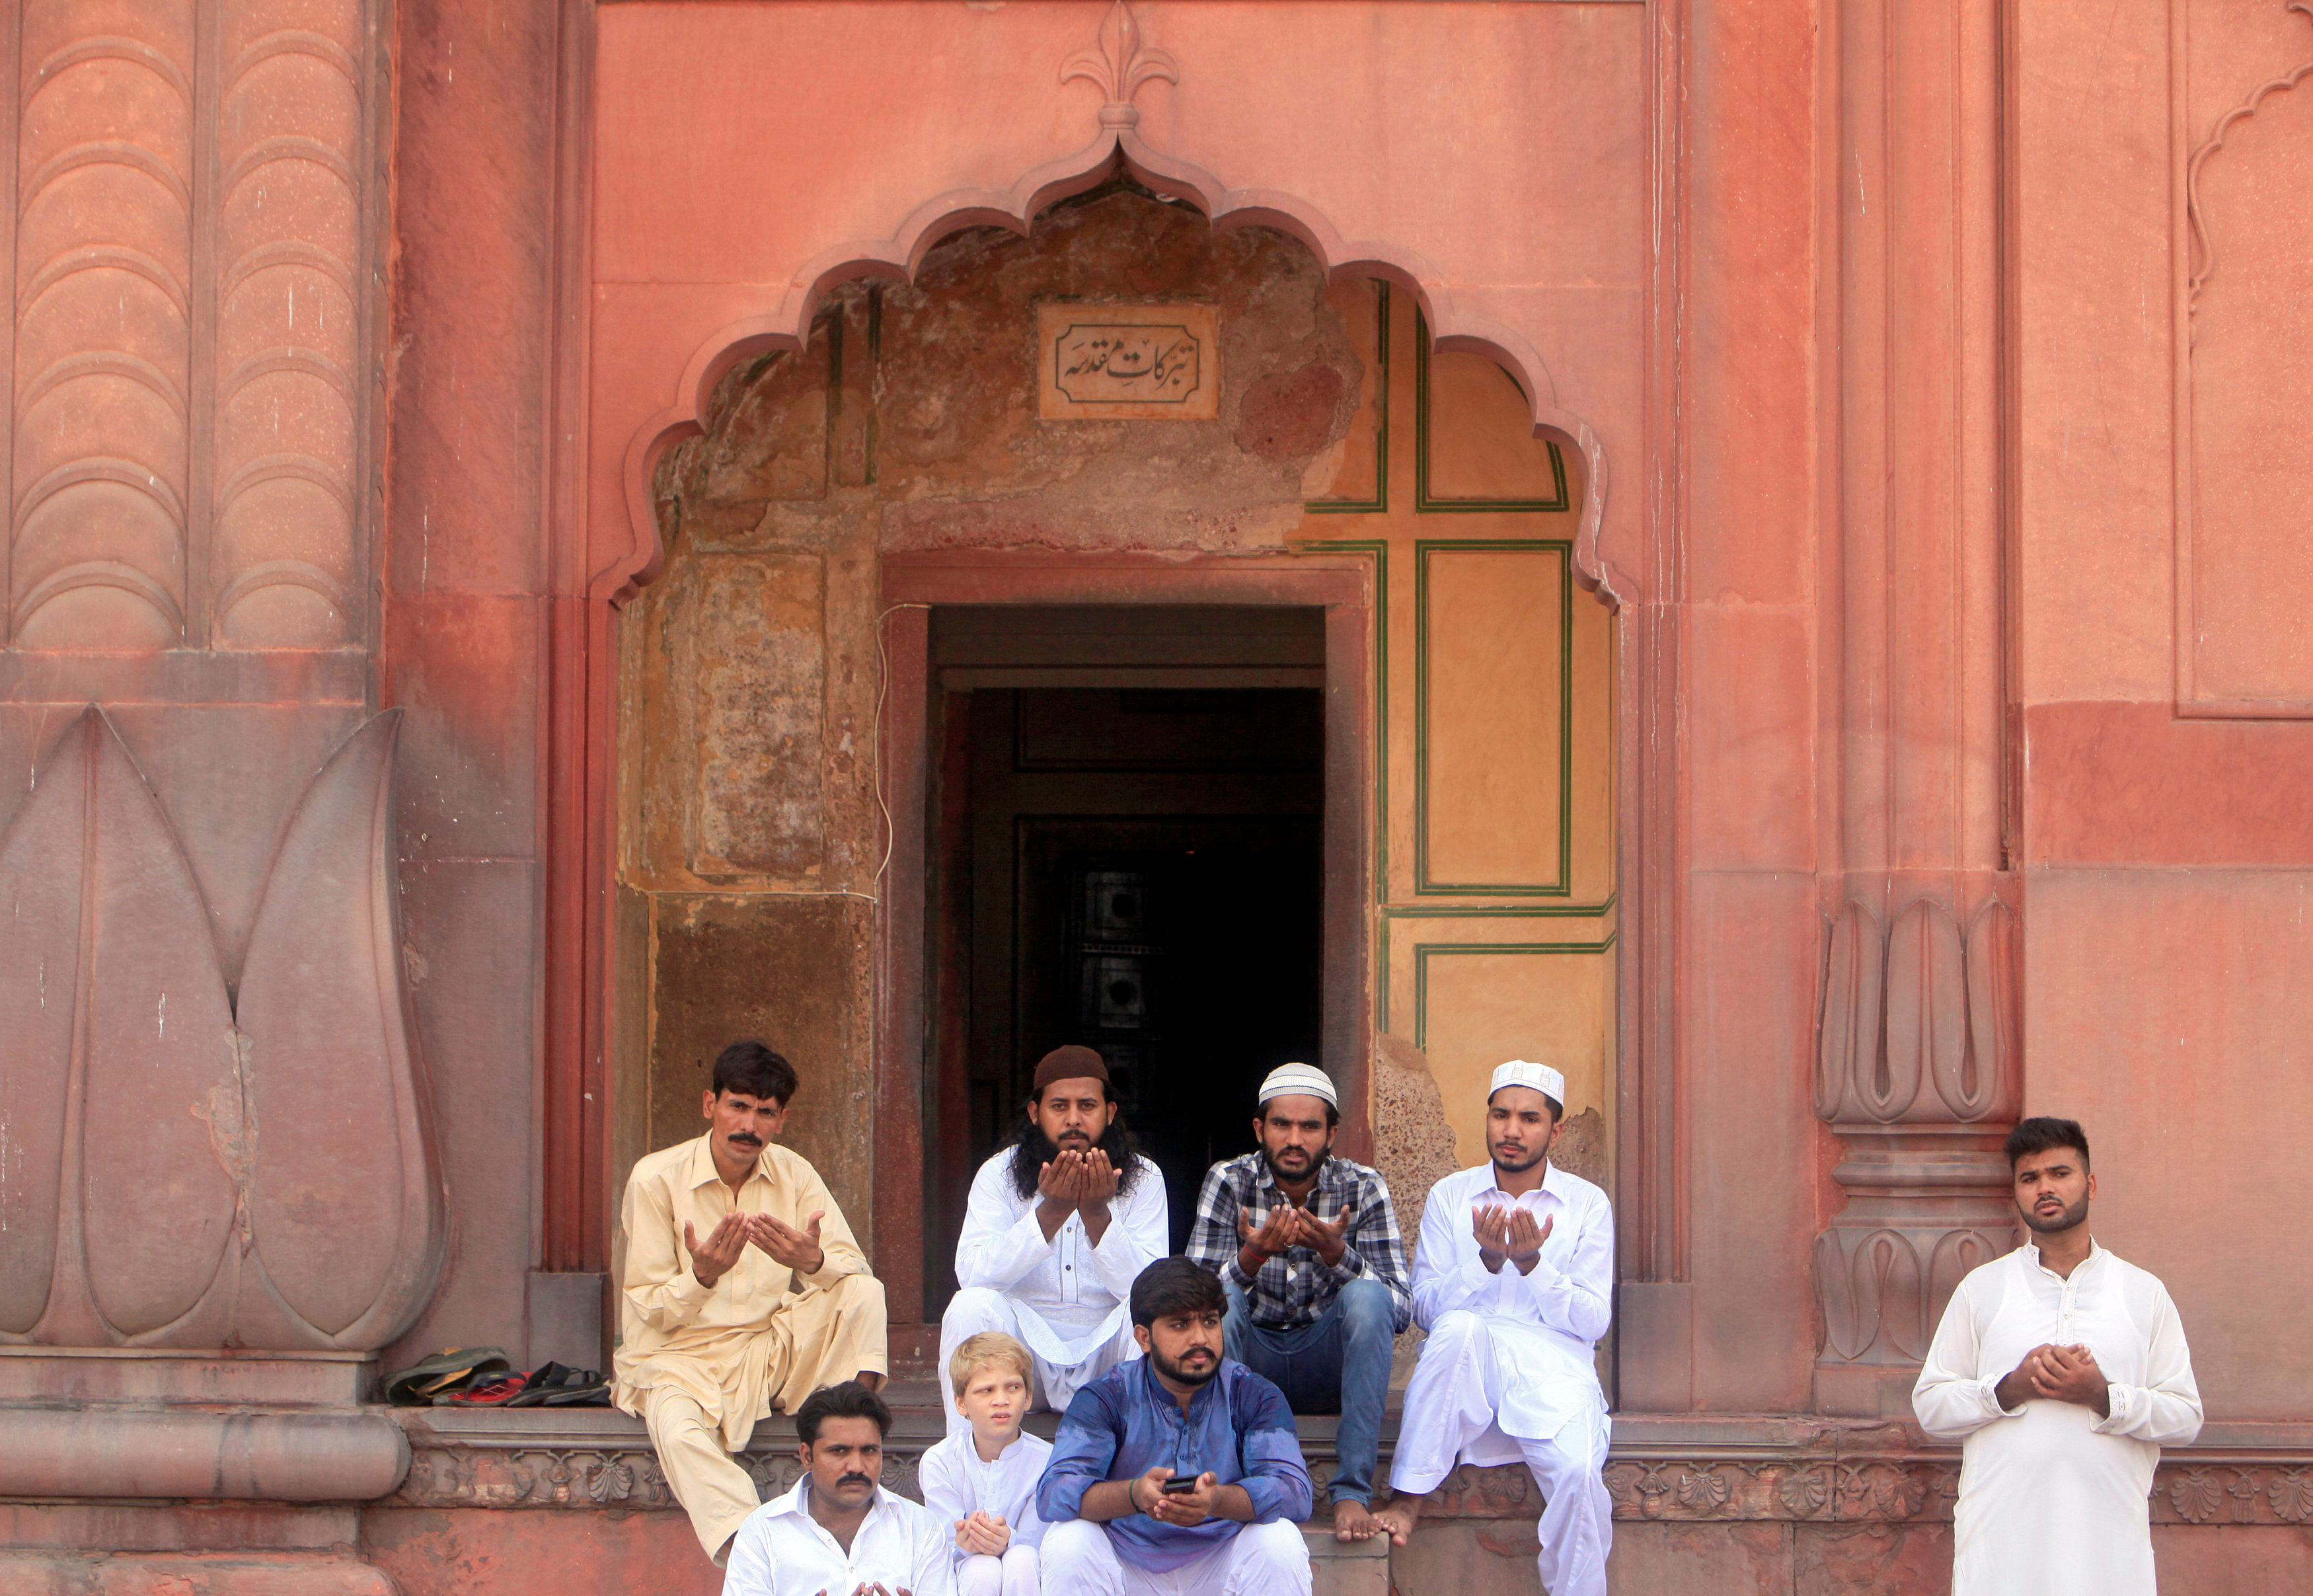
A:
{"x":1337,"y":1362}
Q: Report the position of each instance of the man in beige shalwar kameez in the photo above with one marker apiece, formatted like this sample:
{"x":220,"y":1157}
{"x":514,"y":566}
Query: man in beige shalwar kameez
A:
{"x":712,"y":1235}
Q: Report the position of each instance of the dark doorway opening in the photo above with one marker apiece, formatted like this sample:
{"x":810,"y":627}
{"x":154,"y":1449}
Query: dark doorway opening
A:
{"x":1130,"y":813}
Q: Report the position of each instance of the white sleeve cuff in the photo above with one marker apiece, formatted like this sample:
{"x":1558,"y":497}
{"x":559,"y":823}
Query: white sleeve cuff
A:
{"x":2121,"y":1400}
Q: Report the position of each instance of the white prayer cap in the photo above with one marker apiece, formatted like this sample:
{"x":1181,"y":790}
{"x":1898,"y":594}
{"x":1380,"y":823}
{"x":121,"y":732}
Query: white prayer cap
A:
{"x":1545,"y":1080}
{"x":1302,"y":1080}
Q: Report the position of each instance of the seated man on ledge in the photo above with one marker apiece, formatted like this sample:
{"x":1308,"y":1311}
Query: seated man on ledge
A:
{"x":840,"y":1532}
{"x":1179,"y":1471}
{"x":712,"y":1233}
{"x":1307,"y":1246}
{"x":1056,"y":1228}
{"x":1514,"y":1280}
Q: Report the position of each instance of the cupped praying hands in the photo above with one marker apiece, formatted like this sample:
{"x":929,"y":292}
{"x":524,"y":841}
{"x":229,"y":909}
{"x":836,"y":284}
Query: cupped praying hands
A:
{"x":1509,"y":1235}
{"x":798,"y":1249}
{"x":1288,"y":1227}
{"x":1078,"y":1179}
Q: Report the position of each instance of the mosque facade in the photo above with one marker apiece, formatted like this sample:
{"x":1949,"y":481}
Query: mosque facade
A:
{"x":1752,"y":550}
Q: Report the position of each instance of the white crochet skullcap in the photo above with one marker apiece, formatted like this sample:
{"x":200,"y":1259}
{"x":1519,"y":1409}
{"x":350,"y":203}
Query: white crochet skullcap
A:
{"x":1545,"y":1080}
{"x":1303,"y":1079}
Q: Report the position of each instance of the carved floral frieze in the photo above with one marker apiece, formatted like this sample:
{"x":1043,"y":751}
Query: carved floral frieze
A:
{"x":1827,"y":1490}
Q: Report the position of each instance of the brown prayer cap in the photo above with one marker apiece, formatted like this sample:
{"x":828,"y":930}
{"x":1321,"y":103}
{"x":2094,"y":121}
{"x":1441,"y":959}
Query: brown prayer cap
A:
{"x":1071,"y":1062}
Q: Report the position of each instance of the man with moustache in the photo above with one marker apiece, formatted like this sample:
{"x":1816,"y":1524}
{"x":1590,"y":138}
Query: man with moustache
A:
{"x":2064,"y":1370}
{"x":740,"y":1285}
{"x":839,"y":1532}
{"x":1514,"y":1279}
{"x":1179,"y":1473}
{"x":1056,"y":1227}
{"x":1307,"y":1248}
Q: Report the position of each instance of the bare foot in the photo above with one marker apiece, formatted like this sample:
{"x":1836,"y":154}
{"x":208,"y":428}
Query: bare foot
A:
{"x":871,"y":1379}
{"x":1354,"y":1520}
{"x":1397,"y":1520}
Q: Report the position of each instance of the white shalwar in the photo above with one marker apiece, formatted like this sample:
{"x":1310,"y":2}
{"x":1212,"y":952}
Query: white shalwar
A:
{"x":781,"y":1550}
{"x":1510,"y":1371}
{"x":2052,"y":1499}
{"x":1065,"y":1300}
{"x":1268,"y":1559}
{"x":956,"y":1484}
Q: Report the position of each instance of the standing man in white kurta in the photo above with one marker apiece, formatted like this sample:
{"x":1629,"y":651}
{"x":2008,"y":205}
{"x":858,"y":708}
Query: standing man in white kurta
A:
{"x":1514,"y":1280}
{"x":2065,"y":1371}
{"x":1057,"y":1227}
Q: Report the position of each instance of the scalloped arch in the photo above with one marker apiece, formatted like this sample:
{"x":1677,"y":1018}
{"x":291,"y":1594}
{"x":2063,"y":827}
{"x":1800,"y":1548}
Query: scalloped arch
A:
{"x":784,"y":325}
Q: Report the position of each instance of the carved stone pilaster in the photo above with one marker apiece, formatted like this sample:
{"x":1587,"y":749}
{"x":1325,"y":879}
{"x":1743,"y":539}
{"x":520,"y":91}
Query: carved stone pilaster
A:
{"x":280,"y":1191}
{"x":1916,"y":1070}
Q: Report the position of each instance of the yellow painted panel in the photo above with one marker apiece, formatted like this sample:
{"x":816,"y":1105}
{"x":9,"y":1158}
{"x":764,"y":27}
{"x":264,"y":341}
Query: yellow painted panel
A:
{"x":1483,"y":1007}
{"x":1482,"y":442}
{"x":1494,"y":760}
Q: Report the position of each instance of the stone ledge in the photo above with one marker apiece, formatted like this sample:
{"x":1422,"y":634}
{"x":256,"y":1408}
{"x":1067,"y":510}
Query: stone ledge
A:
{"x":77,"y":1375}
{"x":1661,"y":1468}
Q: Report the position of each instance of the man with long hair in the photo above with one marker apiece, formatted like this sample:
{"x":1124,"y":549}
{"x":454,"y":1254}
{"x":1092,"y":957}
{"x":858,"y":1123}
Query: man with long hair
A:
{"x":1057,"y":1227}
{"x":2064,"y":1370}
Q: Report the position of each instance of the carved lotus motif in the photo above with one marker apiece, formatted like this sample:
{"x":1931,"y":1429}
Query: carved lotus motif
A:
{"x":1896,"y":1495}
{"x":611,"y":1481}
{"x":2291,"y":1496}
{"x":1918,"y":1022}
{"x":282,"y":1191}
{"x":1704,"y":1491}
{"x":1622,"y":1486}
{"x":1119,"y":64}
{"x":2196,"y":1496}
{"x":1804,"y":1492}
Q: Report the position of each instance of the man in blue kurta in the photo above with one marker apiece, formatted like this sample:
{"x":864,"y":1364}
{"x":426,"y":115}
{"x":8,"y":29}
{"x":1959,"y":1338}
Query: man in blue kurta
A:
{"x":1178,"y":1471}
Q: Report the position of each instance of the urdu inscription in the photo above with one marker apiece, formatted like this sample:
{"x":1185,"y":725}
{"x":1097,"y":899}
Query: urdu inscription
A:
{"x":1127,"y":362}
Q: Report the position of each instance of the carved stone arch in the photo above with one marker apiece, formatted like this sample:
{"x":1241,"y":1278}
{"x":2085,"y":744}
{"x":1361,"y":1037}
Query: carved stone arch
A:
{"x":614,"y":548}
{"x":785,"y":325}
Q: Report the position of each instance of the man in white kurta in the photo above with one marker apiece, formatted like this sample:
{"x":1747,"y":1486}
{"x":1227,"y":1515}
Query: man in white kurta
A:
{"x":840,"y":1532}
{"x":1514,"y":1281}
{"x":2065,"y":1370}
{"x":1053,"y":1266}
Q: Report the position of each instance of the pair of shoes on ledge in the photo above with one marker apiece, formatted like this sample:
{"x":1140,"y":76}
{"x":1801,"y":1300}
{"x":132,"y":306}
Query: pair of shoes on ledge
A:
{"x":451,"y":1370}
{"x":482,"y":1376}
{"x":555,"y":1386}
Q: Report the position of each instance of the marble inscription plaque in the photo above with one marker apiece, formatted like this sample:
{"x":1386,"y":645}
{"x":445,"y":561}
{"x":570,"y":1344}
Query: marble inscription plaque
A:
{"x":1127,"y":362}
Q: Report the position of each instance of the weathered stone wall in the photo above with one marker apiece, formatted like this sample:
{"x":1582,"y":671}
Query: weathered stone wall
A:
{"x":751,"y":832}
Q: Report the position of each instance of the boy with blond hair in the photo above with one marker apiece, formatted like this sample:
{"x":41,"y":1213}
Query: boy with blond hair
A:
{"x":983,"y":1480}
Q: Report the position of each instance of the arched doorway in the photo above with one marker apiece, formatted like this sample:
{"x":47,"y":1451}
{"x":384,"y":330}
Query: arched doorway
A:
{"x":935,"y":631}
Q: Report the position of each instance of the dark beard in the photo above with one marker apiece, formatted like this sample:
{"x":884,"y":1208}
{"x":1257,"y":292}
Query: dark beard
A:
{"x":1180,"y":1376}
{"x":1519,"y":1168}
{"x":2070,"y":1219}
{"x":1031,"y":1149}
{"x":1316,"y":1166}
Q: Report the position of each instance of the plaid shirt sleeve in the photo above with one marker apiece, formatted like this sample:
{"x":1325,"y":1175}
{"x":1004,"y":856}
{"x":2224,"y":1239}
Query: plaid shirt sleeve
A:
{"x":1375,"y":1248}
{"x":1213,"y":1238}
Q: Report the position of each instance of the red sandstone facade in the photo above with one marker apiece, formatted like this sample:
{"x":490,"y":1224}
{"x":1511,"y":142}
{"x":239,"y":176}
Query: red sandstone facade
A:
{"x":1926,"y":376}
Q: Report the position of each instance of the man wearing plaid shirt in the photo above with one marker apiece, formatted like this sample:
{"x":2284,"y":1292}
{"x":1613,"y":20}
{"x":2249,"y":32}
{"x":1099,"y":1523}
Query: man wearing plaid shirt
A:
{"x":1307,"y":1248}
